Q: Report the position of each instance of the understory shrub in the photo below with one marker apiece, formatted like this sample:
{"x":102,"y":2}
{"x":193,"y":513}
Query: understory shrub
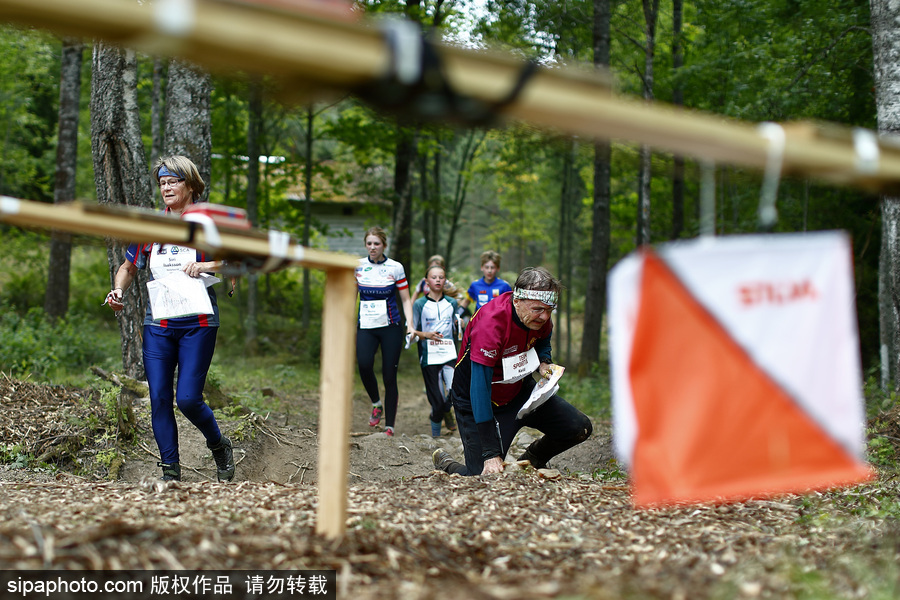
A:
{"x":32,"y":344}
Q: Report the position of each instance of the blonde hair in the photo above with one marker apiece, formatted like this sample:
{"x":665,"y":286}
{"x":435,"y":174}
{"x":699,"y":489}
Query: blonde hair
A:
{"x":184,"y":168}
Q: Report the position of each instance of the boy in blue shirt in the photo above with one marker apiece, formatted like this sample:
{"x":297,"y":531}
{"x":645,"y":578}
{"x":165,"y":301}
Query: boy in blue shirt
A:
{"x":489,"y":286}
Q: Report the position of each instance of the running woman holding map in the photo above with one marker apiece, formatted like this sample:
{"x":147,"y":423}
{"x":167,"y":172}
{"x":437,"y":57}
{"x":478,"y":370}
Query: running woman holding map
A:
{"x":171,"y":337}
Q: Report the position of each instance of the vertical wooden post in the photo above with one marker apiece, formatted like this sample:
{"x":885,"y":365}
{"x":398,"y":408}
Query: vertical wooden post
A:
{"x":338,"y":358}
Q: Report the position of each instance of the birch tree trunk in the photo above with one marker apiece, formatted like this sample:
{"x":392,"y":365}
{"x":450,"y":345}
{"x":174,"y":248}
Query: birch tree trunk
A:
{"x":120,"y":175}
{"x":886,"y":52}
{"x":600,"y":233}
{"x":56,"y":298}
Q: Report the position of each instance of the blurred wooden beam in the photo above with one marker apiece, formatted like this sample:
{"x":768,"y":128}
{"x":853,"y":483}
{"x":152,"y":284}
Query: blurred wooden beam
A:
{"x":314,"y":51}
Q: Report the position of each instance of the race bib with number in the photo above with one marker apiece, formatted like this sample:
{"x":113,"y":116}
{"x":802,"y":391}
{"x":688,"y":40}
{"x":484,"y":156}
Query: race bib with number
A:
{"x":373,"y":314}
{"x":520,"y":366}
{"x":441,"y":351}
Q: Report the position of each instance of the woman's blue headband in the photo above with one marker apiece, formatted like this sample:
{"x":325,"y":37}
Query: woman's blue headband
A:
{"x":164,"y":171}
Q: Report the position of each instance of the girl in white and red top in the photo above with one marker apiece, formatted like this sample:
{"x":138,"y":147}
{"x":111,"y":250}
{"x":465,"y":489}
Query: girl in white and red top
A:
{"x":380,"y":280}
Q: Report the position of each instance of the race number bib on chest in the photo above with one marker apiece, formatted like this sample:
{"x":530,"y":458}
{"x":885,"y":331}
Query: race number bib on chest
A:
{"x":441,"y":351}
{"x":373,"y":314}
{"x":519,"y":366}
{"x":165,"y":259}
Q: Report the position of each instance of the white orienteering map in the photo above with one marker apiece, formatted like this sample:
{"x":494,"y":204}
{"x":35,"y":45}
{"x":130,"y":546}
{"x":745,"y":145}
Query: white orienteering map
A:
{"x":545,"y":388}
{"x":180,"y":295}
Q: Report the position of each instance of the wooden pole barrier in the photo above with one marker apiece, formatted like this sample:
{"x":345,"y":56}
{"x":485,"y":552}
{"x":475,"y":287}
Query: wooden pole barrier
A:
{"x":338,"y":358}
{"x":312,"y":52}
{"x":338,"y":322}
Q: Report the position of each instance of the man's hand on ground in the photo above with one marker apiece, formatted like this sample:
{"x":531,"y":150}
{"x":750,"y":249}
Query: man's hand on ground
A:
{"x":492,"y":465}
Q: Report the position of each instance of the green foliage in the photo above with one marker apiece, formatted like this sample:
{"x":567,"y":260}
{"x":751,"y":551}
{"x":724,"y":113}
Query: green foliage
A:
{"x":591,"y":394}
{"x":29,"y":94}
{"x":15,"y":456}
{"x":612,"y":472}
{"x":30,"y":344}
{"x":877,"y":400}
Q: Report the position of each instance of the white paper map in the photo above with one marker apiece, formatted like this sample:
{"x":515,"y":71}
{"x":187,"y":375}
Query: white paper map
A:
{"x":180,"y":295}
{"x":545,"y":388}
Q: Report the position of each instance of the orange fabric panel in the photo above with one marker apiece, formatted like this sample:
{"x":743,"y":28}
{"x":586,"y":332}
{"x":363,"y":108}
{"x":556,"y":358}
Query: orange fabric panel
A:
{"x":711,"y":425}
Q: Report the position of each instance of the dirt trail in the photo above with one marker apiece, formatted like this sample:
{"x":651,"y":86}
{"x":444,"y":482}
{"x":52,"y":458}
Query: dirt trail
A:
{"x":282,"y":447}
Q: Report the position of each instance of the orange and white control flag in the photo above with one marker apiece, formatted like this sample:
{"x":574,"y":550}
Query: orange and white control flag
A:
{"x":736,"y":369}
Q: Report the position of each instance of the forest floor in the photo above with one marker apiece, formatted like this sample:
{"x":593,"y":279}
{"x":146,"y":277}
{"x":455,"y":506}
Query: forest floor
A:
{"x":413,"y":532}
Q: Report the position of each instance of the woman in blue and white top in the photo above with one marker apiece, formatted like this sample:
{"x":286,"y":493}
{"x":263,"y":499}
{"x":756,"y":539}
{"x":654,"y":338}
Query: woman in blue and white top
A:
{"x":380,"y":280}
{"x":185,"y":341}
{"x":433,"y":318}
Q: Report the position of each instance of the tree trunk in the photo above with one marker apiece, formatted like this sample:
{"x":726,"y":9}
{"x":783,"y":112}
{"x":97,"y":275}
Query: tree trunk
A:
{"x":120,"y":175}
{"x":156,"y":109}
{"x":187,"y":130}
{"x":56,"y":299}
{"x":401,"y":231}
{"x":255,"y":113}
{"x":307,"y":208}
{"x":600,"y":233}
{"x":886,"y":51}
{"x":677,"y":100}
{"x":461,"y":189}
{"x":651,"y":10}
{"x":886,"y":322}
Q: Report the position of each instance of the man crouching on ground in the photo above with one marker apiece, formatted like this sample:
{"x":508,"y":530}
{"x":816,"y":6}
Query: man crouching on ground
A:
{"x":505,"y":342}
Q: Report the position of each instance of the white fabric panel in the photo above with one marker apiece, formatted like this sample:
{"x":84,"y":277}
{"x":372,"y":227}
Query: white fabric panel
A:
{"x":623,"y":303}
{"x":788,"y":300}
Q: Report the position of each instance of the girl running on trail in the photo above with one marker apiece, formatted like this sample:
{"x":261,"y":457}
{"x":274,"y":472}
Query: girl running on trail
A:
{"x":433,"y":317}
{"x":379,"y":281}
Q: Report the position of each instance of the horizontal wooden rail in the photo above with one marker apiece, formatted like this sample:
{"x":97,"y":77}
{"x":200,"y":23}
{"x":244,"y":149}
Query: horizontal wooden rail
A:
{"x":315,"y":52}
{"x":139,"y":225}
{"x":338,"y":315}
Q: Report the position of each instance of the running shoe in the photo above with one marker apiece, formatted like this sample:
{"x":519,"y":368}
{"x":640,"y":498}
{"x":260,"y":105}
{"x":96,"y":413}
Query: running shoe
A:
{"x":441,"y":460}
{"x":223,"y":453}
{"x":389,"y":431}
{"x":449,"y":421}
{"x":171,"y":471}
{"x":375,"y":419}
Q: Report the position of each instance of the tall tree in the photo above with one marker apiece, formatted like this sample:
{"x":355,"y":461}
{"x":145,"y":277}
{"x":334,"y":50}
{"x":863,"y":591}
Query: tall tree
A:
{"x":156,"y":109}
{"x":886,"y":52}
{"x":120,"y":174}
{"x":600,"y":232}
{"x":651,"y":12}
{"x":187,"y":129}
{"x":307,"y":206}
{"x":401,"y":229}
{"x":56,"y":298}
{"x":677,"y":100}
{"x":474,"y":141}
{"x":254,"y":123}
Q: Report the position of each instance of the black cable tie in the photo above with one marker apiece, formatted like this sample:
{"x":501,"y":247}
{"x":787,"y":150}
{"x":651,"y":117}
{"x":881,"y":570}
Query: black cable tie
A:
{"x":415,"y":88}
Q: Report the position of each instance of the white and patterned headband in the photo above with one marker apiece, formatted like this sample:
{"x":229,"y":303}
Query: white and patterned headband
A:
{"x":546,"y":296}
